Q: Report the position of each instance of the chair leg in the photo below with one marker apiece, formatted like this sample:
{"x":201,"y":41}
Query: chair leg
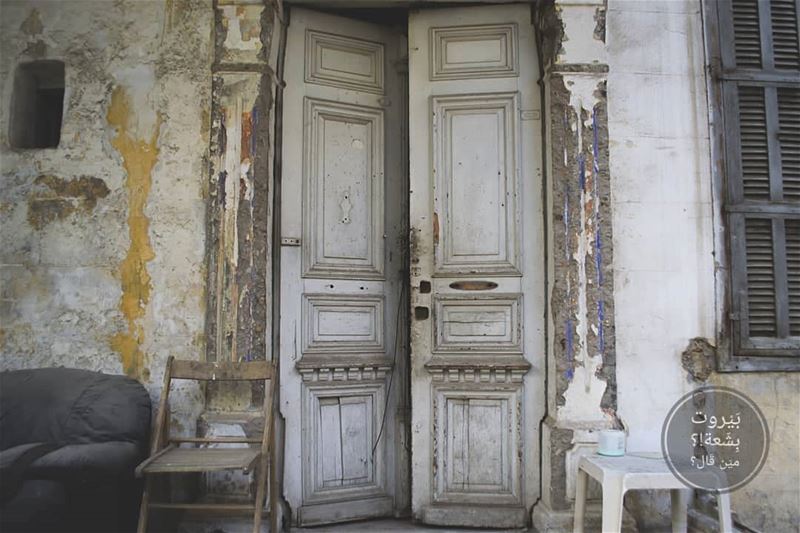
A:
{"x":144,"y":509}
{"x":724,"y":508}
{"x":273,"y":493}
{"x":580,"y":501}
{"x":680,"y":504}
{"x":613,"y":495}
{"x":260,"y":485}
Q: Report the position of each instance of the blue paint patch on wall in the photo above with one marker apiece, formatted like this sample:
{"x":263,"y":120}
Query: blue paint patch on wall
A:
{"x":598,"y":244}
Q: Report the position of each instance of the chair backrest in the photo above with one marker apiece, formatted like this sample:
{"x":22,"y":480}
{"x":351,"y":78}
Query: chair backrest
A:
{"x":199,"y":371}
{"x":225,"y":371}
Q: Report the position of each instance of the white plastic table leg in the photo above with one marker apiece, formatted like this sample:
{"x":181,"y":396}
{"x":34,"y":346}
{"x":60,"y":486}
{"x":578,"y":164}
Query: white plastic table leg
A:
{"x":680,"y":506}
{"x":613,"y":495}
{"x":580,"y":501}
{"x":724,"y":508}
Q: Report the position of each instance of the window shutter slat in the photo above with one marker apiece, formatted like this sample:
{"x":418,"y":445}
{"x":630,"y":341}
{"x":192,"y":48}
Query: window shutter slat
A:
{"x":759,"y":79}
{"x":746,"y":34}
{"x":754,"y":150}
{"x":785,"y":45}
{"x":760,"y":275}
{"x":789,"y":137}
{"x":793,"y":273}
{"x":781,"y":287}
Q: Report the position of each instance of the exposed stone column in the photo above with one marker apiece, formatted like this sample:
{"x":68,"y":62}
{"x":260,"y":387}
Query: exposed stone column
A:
{"x":239,"y":217}
{"x":581,"y":391}
{"x":239,"y":209}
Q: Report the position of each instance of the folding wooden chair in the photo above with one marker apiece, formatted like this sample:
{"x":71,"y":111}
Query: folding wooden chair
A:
{"x":168,"y":457}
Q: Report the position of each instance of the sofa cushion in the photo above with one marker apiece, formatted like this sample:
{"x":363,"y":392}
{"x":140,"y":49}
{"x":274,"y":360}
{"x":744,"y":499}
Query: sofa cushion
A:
{"x":84,"y":462}
{"x":68,"y":406}
{"x":11,"y":456}
{"x":14,"y":463}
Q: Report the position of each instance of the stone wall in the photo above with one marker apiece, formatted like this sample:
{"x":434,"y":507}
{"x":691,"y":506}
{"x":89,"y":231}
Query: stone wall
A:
{"x":581,"y":359}
{"x":103,"y":238}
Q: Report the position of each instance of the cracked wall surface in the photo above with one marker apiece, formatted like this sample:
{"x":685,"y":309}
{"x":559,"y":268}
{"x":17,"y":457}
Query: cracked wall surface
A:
{"x":102,"y":238}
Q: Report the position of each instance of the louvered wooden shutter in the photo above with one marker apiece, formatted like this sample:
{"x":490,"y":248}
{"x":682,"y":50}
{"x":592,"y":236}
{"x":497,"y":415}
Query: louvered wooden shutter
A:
{"x":760,"y":76}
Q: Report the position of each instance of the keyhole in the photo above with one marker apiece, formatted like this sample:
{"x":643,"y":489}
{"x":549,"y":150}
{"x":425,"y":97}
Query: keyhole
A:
{"x":346,"y":207}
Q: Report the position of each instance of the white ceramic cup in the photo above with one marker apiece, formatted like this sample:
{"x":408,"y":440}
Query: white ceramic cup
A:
{"x":611,"y":442}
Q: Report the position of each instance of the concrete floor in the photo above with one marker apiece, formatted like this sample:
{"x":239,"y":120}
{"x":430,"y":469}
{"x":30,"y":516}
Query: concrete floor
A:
{"x":391,"y":525}
{"x":387,"y":525}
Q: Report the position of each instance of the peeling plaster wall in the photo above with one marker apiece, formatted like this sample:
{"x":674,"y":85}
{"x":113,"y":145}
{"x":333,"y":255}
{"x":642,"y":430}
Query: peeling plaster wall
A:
{"x":102,"y":239}
{"x":661,"y":193}
{"x":664,"y":249}
{"x":581,"y":395}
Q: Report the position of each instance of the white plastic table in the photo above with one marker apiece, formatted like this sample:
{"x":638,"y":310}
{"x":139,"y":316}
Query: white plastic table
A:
{"x":617,"y":475}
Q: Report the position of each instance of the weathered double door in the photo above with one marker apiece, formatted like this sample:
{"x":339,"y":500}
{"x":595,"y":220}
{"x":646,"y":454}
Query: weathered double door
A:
{"x":443,"y":241}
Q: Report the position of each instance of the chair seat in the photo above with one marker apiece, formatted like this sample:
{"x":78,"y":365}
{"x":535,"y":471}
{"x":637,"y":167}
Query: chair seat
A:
{"x":203,"y":460}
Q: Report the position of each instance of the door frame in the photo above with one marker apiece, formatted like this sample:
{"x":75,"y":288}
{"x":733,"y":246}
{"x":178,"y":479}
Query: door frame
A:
{"x":240,"y":268}
{"x":551,"y":27}
{"x":403,"y":488}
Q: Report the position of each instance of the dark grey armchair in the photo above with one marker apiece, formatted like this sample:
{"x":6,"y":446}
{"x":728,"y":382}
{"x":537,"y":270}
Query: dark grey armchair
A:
{"x":69,"y":442}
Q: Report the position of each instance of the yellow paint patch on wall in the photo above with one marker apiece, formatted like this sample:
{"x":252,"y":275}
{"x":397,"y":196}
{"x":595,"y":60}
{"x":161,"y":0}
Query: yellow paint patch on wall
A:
{"x":139,"y":156}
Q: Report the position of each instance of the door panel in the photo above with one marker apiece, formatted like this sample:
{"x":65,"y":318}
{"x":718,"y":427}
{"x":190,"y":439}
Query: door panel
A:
{"x":344,"y":183}
{"x":475,"y":139}
{"x":477,"y":267}
{"x":342,"y":264}
{"x":477,"y":324}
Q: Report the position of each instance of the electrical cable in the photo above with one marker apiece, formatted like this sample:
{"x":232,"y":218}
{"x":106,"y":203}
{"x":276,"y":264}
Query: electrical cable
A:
{"x":394,"y":365}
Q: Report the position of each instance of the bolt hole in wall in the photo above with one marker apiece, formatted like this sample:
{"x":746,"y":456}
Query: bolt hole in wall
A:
{"x":37,"y":105}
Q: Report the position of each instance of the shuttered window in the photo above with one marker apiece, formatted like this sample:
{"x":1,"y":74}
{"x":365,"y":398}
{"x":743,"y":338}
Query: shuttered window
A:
{"x":758,"y":78}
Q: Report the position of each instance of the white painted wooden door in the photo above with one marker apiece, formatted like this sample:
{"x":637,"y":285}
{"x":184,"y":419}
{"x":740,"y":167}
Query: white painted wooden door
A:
{"x":477,"y":265}
{"x":342,"y":268}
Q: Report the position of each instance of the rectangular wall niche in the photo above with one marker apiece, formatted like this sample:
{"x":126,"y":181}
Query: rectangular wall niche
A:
{"x":37,"y":105}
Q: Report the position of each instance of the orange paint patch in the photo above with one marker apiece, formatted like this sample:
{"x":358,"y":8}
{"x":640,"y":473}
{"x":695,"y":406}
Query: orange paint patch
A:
{"x":139,"y":156}
{"x":247,"y":134}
